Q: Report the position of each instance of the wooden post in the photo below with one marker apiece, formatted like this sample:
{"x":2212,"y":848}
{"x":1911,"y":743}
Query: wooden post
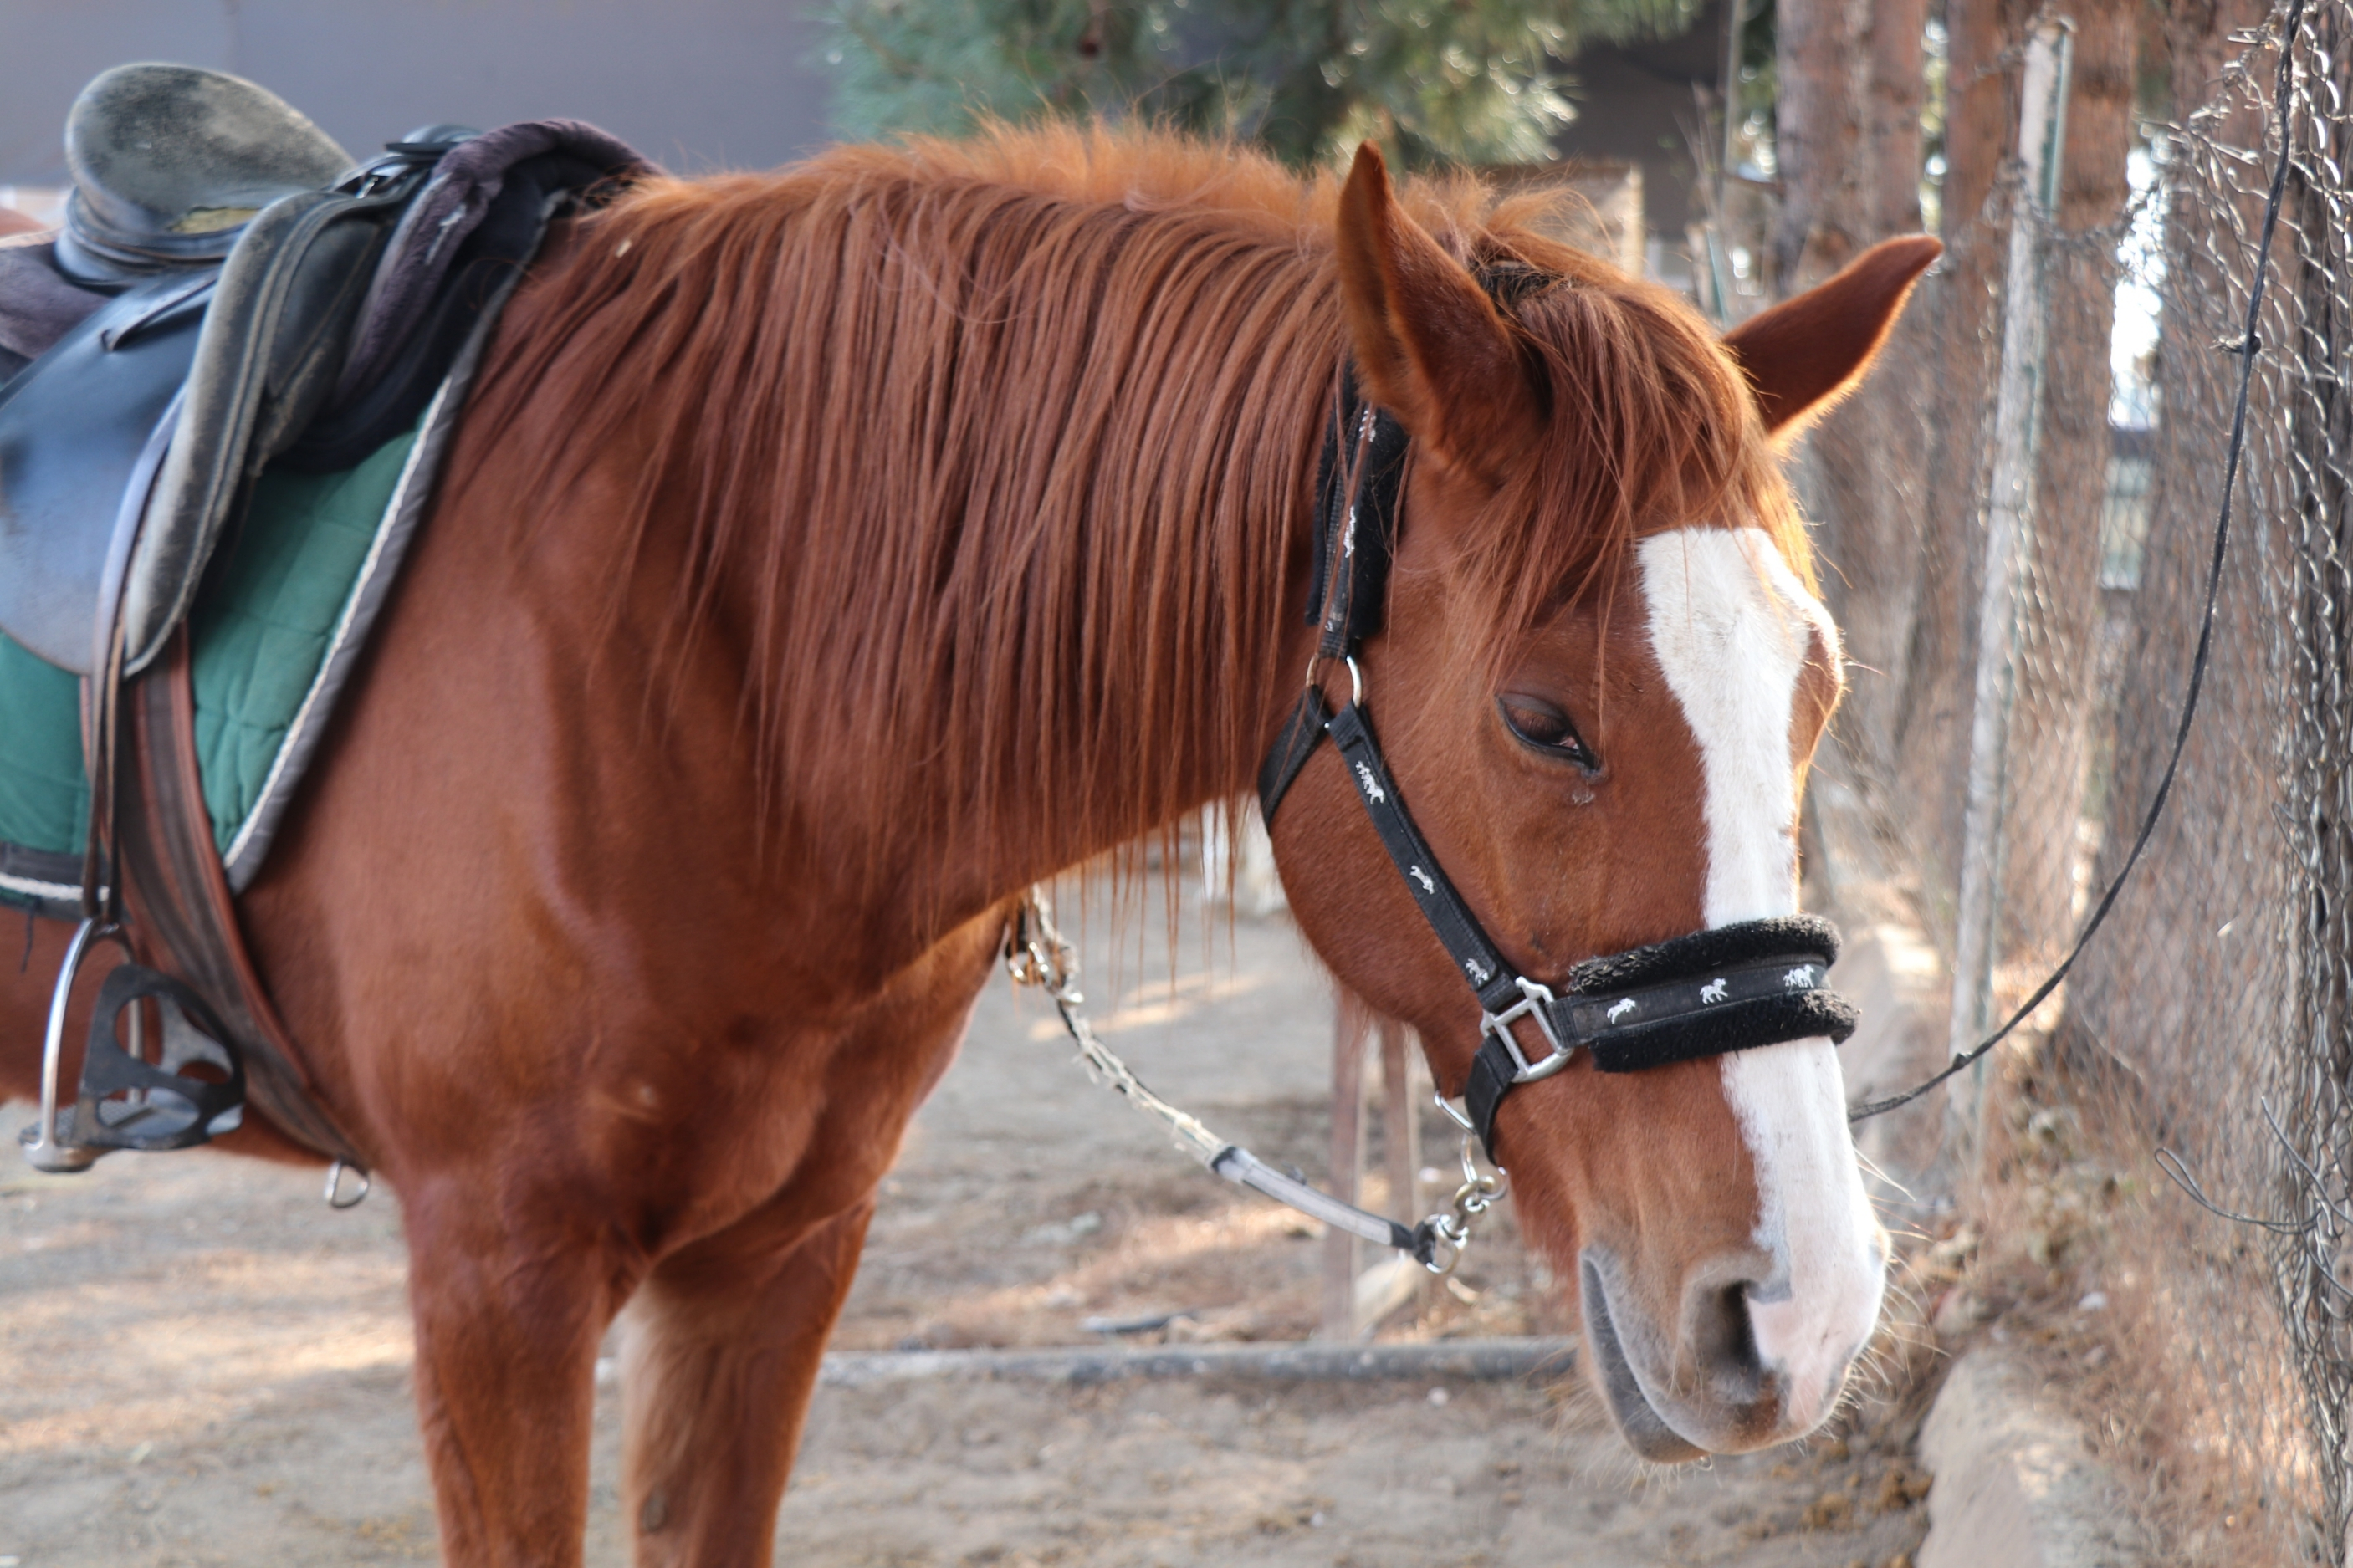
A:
{"x":1400,"y":1119}
{"x":1349,"y":1028}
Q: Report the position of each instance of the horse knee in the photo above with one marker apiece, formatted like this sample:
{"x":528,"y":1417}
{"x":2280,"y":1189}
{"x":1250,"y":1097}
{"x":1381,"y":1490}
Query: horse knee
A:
{"x":719,"y":1356}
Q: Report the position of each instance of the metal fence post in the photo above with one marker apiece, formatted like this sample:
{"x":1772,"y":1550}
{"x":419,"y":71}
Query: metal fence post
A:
{"x":2041,"y":131}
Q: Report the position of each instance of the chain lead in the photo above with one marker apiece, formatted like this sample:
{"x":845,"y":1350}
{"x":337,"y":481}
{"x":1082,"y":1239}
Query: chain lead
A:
{"x":1036,"y":954}
{"x":1479,"y":1192}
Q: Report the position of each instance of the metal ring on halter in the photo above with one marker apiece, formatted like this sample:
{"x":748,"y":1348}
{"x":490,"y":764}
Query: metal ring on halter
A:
{"x":42,"y":1149}
{"x":335,"y":1180}
{"x":1356,"y":676}
{"x":1479,"y":1192}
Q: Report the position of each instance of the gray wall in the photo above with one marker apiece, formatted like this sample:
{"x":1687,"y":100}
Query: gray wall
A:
{"x":692,"y":84}
{"x":1633,"y":103}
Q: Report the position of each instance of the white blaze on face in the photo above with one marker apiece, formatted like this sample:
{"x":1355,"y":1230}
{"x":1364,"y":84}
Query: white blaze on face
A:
{"x":1731,"y":626}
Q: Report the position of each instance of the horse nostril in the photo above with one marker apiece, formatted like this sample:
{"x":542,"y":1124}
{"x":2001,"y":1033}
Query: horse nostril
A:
{"x":1723,"y":1341}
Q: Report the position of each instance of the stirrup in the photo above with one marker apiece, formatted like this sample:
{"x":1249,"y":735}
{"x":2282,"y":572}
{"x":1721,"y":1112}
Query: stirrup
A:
{"x":126,"y":1101}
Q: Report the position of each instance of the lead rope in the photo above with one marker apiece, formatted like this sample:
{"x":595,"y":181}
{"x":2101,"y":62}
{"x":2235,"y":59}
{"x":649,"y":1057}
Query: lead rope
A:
{"x":1036,"y":954}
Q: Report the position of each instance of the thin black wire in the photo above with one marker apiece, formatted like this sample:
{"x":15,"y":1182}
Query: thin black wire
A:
{"x":2312,"y":1241}
{"x":2172,"y":1164}
{"x":2246,"y":349}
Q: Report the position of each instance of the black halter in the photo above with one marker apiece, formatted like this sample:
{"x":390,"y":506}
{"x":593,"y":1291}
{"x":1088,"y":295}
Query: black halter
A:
{"x":1732,"y":988}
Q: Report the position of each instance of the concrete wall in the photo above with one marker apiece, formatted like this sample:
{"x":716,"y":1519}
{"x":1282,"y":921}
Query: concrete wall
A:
{"x":693,"y":84}
{"x":1634,"y":105}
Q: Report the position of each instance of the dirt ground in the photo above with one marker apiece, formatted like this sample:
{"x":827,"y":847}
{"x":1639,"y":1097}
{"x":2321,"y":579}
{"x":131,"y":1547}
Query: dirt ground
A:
{"x":201,"y":1364}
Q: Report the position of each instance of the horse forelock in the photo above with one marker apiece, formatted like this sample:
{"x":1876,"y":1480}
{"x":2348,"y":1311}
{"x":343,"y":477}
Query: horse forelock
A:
{"x":1652,"y":428}
{"x":999,"y":453}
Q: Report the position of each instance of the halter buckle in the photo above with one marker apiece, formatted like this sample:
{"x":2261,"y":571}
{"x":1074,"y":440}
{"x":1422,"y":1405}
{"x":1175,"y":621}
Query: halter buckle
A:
{"x":1535,"y":1002}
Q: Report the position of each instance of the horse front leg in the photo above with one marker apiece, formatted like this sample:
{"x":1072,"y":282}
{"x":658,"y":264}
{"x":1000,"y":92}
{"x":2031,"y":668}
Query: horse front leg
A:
{"x":724,"y":1337}
{"x":721,"y":1346}
{"x":509,"y":1315}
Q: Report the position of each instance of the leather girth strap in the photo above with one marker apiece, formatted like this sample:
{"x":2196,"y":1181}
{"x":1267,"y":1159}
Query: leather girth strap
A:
{"x":180,"y":909}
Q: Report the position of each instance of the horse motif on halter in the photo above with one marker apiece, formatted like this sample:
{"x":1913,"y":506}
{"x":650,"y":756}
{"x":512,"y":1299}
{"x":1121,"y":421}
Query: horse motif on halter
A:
{"x":1713,"y":991}
{"x":1622,"y":1009}
{"x":1372,"y":786}
{"x":1800,"y":979}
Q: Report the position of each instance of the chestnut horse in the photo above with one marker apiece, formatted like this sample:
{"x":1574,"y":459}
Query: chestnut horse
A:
{"x":830,"y":555}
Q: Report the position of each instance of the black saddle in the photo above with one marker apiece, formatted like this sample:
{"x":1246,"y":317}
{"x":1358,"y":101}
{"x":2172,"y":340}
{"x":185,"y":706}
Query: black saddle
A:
{"x":127,"y":446}
{"x":332,"y":314}
{"x":243,"y":299}
{"x":190,"y":415}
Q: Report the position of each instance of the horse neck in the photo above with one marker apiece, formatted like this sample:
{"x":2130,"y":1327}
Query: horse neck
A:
{"x":1071,"y":613}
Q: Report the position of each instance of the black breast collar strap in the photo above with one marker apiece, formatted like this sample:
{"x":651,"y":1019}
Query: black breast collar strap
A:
{"x":1729,"y":988}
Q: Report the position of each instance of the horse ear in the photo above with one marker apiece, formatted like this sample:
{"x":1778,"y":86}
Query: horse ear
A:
{"x":1429,"y":345}
{"x":1806,"y":353}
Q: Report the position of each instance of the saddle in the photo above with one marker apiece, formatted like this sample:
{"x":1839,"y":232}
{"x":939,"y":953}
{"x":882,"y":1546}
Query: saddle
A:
{"x":230,"y":292}
{"x":169,"y":163}
{"x":237,"y":285}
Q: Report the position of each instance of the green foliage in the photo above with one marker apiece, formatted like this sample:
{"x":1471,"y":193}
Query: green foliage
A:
{"x":1432,"y":80}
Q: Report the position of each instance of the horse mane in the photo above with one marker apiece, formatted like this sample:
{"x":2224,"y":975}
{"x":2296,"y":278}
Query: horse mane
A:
{"x":1008,"y":446}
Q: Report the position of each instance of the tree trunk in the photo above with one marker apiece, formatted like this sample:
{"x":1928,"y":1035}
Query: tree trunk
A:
{"x":1932,"y":725}
{"x":1854,"y":185}
{"x":1823,"y":71}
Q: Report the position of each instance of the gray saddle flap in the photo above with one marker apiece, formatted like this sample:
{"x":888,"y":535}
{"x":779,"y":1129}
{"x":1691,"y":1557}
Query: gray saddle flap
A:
{"x":252,"y":351}
{"x":273,"y":348}
{"x":72,"y":427}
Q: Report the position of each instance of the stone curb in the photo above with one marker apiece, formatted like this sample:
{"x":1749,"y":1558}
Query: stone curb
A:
{"x":1460,"y":1361}
{"x":2016,"y":1485}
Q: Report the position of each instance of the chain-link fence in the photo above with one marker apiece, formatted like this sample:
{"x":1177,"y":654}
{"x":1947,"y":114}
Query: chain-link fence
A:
{"x":2215,"y":1010}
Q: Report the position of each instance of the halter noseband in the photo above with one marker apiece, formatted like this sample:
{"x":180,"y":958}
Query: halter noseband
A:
{"x":1730,"y":988}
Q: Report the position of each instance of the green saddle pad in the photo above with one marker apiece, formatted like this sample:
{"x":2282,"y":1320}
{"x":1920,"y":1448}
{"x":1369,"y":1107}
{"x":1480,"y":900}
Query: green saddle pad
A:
{"x":281,"y":604}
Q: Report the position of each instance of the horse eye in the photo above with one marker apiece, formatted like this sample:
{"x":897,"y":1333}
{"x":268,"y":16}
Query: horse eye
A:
{"x":1540,"y":724}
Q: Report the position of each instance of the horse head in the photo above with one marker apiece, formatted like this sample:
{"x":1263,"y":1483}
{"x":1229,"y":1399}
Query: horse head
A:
{"x":1601,"y":679}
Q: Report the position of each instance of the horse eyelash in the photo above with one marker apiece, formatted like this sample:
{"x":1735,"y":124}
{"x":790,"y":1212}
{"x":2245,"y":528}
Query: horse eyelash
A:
{"x":1578,"y":750}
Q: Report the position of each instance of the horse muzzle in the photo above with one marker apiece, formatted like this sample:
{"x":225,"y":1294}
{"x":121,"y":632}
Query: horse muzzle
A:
{"x":1720,"y":1381}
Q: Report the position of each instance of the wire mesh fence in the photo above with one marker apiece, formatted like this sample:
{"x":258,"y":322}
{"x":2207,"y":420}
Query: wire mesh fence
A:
{"x":2217,"y":1005}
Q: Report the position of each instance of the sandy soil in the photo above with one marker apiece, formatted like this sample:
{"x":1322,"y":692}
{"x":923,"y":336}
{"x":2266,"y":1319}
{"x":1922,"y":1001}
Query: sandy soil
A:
{"x":200,"y":1363}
